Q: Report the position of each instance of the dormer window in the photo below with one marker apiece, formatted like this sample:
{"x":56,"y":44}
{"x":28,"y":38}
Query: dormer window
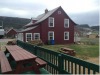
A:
{"x":51,"y":22}
{"x":66,"y":23}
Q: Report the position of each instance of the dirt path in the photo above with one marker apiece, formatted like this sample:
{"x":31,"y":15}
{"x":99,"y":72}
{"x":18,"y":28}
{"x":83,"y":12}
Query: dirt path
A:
{"x":3,"y":42}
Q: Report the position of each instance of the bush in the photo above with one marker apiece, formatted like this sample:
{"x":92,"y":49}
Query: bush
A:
{"x":11,"y":42}
{"x":36,"y":42}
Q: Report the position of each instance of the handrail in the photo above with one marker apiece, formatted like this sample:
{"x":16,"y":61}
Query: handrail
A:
{"x":59,"y":63}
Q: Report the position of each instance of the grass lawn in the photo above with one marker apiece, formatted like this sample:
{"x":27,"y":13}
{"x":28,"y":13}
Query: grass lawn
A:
{"x":88,"y":49}
{"x":82,"y":51}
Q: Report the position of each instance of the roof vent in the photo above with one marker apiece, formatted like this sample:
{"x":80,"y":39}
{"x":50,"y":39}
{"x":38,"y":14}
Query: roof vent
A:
{"x":46,"y":10}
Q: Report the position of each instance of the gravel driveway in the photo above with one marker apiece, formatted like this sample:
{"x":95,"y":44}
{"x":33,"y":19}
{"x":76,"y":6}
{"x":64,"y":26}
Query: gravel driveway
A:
{"x":3,"y":42}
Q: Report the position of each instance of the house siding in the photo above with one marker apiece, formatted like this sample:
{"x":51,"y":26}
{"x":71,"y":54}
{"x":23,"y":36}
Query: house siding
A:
{"x":12,"y":33}
{"x":58,"y":28}
{"x":36,"y":30}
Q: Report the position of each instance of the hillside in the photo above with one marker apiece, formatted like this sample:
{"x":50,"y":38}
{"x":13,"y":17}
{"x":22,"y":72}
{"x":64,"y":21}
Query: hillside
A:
{"x":95,"y":27}
{"x":14,"y":22}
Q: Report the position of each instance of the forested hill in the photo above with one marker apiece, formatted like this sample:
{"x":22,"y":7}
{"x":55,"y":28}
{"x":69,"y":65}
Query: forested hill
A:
{"x":14,"y":22}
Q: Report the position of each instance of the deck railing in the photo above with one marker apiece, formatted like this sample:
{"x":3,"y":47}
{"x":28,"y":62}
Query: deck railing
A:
{"x":60,"y":63}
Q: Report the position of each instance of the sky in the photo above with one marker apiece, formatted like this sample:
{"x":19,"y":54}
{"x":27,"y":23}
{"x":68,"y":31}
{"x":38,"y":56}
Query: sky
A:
{"x":80,"y":11}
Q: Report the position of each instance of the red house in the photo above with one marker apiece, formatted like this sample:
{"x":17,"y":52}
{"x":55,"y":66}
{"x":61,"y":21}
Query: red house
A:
{"x":11,"y":33}
{"x":53,"y":25}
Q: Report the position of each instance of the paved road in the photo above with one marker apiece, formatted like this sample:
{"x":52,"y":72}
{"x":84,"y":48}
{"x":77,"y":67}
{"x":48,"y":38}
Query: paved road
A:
{"x":5,"y":40}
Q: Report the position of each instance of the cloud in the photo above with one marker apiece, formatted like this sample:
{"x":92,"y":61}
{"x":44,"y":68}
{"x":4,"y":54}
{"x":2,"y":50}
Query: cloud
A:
{"x":91,"y":18}
{"x":76,"y":9}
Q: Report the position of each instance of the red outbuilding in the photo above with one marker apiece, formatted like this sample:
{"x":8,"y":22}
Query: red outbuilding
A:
{"x":11,"y":33}
{"x":54,"y":25}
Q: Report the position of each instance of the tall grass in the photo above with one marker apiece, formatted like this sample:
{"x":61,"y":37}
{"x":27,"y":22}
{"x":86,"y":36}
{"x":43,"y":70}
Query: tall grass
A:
{"x":82,"y":51}
{"x":90,"y":41}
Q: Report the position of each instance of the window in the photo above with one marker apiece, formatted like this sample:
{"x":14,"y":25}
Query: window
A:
{"x":50,"y":35}
{"x":36,"y":36}
{"x":59,"y":12}
{"x":28,"y":37}
{"x":66,"y":35}
{"x":66,"y":23}
{"x":51,"y":22}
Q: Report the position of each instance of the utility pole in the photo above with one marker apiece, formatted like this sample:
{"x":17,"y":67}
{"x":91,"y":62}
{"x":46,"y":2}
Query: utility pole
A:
{"x":2,"y":24}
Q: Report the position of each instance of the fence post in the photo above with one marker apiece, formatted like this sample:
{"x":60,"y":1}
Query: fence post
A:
{"x":35,"y":50}
{"x":60,"y":63}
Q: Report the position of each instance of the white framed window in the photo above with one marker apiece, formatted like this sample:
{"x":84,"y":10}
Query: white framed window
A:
{"x":51,"y":35}
{"x":66,"y":23}
{"x":51,"y":22}
{"x":36,"y":36}
{"x":28,"y":37}
{"x":66,"y":35}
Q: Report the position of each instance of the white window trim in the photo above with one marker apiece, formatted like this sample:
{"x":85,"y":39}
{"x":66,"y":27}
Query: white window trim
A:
{"x":64,"y":35}
{"x":49,"y":36}
{"x":64,"y":23}
{"x":35,"y":34}
{"x":26,"y":36}
{"x":49,"y":22}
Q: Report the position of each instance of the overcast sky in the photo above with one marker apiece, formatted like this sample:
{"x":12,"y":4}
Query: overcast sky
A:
{"x":80,"y":11}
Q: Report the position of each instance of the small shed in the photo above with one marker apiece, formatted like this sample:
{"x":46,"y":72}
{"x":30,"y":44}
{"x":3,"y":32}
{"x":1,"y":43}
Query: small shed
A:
{"x":11,"y":33}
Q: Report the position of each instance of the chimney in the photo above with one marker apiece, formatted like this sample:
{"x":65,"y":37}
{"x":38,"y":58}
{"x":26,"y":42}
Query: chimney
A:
{"x":46,"y":10}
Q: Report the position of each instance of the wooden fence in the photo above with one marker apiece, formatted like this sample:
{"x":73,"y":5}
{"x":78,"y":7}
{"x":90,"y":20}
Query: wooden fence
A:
{"x":61,"y":63}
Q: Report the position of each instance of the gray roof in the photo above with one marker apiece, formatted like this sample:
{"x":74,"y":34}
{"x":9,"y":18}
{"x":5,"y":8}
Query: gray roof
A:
{"x":30,"y":28}
{"x":42,"y":17}
{"x":30,"y":23}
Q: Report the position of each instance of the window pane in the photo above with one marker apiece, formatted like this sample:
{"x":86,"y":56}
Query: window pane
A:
{"x":37,"y":36}
{"x":66,"y":22}
{"x":51,"y":36}
{"x":28,"y":37}
{"x":51,"y":22}
{"x":66,"y":35}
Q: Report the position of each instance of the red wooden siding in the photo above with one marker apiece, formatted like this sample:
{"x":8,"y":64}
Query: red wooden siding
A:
{"x":12,"y":33}
{"x":58,"y":28}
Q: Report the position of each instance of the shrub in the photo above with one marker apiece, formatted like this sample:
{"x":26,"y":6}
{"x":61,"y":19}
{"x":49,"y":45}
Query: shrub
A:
{"x":36,"y":42}
{"x":11,"y":42}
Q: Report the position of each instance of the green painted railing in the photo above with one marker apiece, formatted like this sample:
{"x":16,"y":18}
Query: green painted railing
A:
{"x":60,"y":63}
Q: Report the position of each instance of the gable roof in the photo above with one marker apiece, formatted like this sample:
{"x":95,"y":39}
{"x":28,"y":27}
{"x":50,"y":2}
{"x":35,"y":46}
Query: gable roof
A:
{"x":42,"y":17}
{"x":10,"y":30}
{"x":27,"y":29}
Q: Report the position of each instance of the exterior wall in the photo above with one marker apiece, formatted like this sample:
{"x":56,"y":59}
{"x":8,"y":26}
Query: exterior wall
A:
{"x":36,"y":30}
{"x":58,"y":29}
{"x":12,"y":33}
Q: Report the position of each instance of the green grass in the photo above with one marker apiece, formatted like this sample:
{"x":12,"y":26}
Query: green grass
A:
{"x":90,"y":41}
{"x":82,"y":51}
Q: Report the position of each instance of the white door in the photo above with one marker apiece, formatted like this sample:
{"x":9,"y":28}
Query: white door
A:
{"x":20,"y":36}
